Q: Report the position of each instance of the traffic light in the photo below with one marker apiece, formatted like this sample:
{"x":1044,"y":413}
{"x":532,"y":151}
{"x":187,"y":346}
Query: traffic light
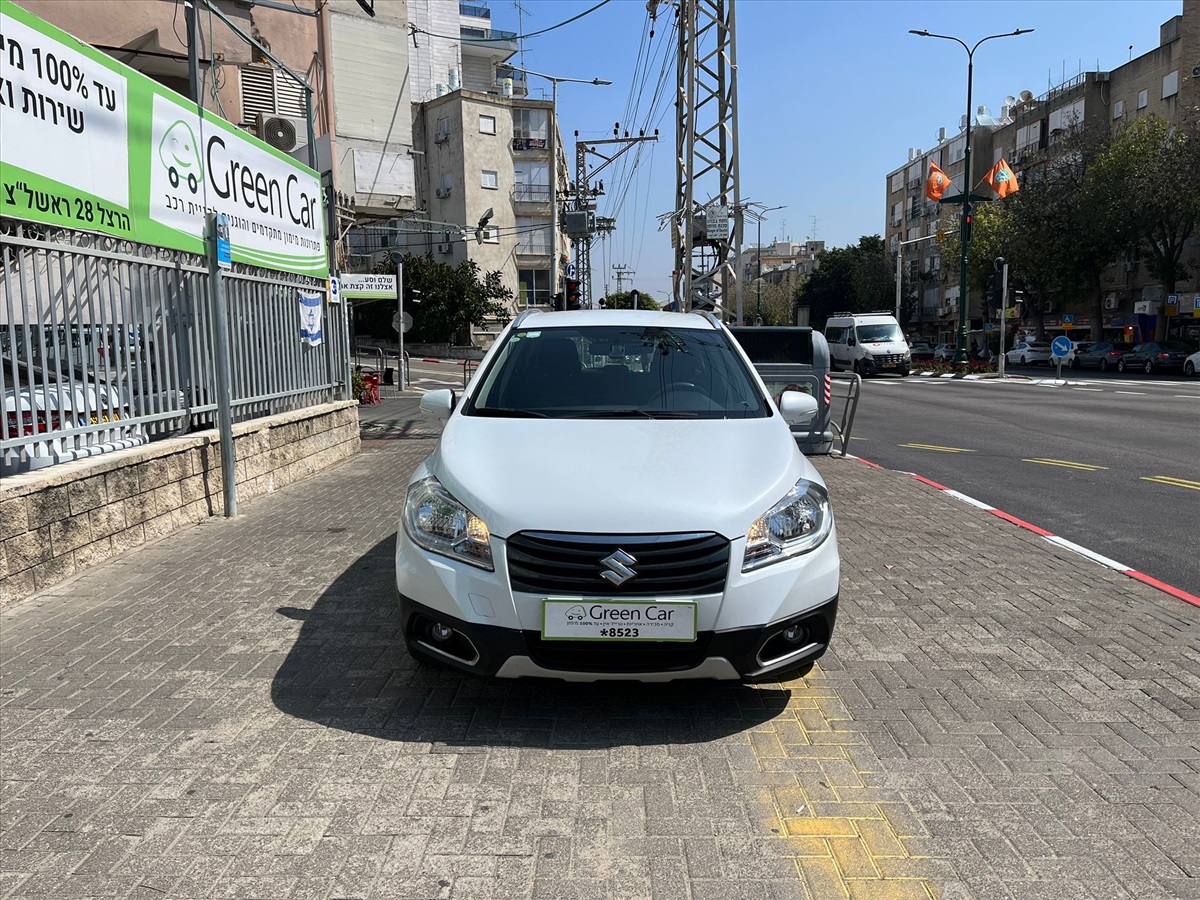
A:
{"x":968,"y":221}
{"x":994,"y":291}
{"x":572,"y":293}
{"x":558,"y":302}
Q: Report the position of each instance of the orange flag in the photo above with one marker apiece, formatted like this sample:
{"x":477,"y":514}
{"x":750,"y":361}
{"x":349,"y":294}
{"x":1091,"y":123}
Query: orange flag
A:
{"x":1001,"y":179}
{"x":937,"y":183}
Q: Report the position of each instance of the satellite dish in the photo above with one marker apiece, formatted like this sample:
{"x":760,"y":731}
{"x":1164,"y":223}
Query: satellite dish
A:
{"x":1026,"y":96}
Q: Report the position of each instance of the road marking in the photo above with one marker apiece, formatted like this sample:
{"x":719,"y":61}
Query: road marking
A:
{"x":1084,"y":551}
{"x":935,"y":447}
{"x":1096,"y":390}
{"x":1132,"y":393}
{"x":1174,"y":482}
{"x":1187,"y":396}
{"x":1087,"y":467}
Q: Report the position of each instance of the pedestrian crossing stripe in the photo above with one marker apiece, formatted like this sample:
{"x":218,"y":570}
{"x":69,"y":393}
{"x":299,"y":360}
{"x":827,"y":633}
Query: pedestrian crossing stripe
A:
{"x":1174,"y":482}
{"x":1087,"y":467}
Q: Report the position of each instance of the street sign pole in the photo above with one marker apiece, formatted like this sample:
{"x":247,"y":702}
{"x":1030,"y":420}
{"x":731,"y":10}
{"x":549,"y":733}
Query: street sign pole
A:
{"x":400,"y":309}
{"x":1060,"y":347}
{"x":223,"y":378}
{"x":1003,"y":310}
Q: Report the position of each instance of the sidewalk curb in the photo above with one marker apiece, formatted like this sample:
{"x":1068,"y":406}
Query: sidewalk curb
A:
{"x":1052,"y":538}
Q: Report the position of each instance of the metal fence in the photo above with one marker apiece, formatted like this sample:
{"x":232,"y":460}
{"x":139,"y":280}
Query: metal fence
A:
{"x":107,"y":344}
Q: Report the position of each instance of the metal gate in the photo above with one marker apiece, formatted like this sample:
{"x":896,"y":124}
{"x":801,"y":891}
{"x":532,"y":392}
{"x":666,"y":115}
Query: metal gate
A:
{"x":107,"y":344}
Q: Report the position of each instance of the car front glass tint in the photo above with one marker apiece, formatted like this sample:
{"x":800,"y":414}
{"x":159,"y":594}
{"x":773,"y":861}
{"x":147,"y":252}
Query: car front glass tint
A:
{"x":618,"y":371}
{"x":873,"y":334}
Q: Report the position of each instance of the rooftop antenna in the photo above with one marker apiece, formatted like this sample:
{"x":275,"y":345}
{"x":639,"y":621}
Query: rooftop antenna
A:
{"x":814,"y":231}
{"x":521,"y":13}
{"x":1131,"y":52}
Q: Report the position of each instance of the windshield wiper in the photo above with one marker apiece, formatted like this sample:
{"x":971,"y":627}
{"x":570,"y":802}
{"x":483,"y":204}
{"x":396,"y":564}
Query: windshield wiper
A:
{"x":501,"y":411}
{"x":612,"y":414}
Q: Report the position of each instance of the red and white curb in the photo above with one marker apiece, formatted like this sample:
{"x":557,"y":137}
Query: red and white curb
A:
{"x":1055,"y":539}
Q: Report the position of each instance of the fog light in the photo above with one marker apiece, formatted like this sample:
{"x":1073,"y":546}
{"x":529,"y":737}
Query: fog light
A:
{"x":441,"y":632}
{"x":794,"y":634}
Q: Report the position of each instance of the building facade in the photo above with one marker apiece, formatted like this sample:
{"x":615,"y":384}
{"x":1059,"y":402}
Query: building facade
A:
{"x":1165,"y":82}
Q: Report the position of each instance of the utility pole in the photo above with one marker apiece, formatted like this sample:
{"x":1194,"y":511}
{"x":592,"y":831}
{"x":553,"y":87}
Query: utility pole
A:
{"x":622,"y":271}
{"x":585,"y":201}
{"x":706,"y":238}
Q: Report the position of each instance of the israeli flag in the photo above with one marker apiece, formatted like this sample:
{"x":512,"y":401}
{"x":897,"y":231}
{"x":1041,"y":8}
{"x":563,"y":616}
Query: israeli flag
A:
{"x":310,"y":319}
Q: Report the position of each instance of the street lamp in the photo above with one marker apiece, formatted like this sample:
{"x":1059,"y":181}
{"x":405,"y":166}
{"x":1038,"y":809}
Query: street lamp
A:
{"x":758,"y":217}
{"x":553,"y":129}
{"x":960,"y":353}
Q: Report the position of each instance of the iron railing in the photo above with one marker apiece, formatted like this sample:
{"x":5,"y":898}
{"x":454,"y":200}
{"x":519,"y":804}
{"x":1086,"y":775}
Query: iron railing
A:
{"x":106,"y":344}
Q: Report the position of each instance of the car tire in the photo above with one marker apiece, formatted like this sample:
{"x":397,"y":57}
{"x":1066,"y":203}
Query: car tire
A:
{"x":1189,"y":369}
{"x":1148,"y":368}
{"x":1121,"y":365}
{"x":904,"y":373}
{"x":1104,"y":365}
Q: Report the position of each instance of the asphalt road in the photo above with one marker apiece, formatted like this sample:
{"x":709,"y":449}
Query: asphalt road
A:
{"x":1079,"y":459}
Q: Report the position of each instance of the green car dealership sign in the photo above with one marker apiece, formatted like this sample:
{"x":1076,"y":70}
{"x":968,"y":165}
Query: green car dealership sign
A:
{"x":89,"y":143}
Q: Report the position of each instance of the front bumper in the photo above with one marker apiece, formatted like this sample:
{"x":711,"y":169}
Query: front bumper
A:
{"x":741,"y":654}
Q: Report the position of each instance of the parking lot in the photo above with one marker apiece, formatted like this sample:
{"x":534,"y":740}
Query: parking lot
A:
{"x":229,"y":713}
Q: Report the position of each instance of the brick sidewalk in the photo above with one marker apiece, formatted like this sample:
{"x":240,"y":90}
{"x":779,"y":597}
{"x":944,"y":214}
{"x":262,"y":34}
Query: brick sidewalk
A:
{"x":229,"y":713}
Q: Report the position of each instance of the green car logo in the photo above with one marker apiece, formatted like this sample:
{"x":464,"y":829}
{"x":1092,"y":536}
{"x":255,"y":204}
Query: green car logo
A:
{"x":179,"y":153}
{"x":576,"y":613}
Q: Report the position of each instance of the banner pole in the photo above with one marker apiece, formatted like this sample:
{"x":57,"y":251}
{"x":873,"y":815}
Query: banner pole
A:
{"x":224,"y":381}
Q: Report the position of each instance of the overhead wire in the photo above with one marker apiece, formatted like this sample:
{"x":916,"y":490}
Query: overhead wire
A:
{"x":507,"y":38}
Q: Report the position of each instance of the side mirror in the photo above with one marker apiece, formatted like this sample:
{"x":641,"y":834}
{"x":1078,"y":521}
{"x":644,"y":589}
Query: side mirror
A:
{"x":796,"y":407}
{"x":850,"y":341}
{"x":438,"y":404}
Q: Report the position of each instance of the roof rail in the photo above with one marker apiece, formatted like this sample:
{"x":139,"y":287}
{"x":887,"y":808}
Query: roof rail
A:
{"x":707,"y":313}
{"x":523,"y":315}
{"x":874,"y":312}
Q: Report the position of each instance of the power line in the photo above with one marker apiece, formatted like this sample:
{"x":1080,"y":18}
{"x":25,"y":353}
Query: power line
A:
{"x":520,"y":37}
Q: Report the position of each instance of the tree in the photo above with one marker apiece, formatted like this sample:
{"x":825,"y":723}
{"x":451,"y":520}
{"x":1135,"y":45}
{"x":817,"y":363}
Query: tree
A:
{"x":620,"y":300}
{"x":855,"y":278}
{"x":444,"y":301}
{"x":1150,"y":177}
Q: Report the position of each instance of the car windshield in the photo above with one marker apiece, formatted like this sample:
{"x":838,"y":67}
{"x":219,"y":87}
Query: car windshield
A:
{"x":619,"y":372}
{"x":1177,"y":345}
{"x":878,"y":333}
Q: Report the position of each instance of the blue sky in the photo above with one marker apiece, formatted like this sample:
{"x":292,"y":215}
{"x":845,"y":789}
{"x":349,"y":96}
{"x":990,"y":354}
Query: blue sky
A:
{"x":831,"y":96}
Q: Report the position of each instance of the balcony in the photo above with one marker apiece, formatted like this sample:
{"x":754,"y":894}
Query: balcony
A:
{"x":478,"y":12}
{"x":488,"y":43}
{"x":529,"y":143}
{"x":531,"y":193}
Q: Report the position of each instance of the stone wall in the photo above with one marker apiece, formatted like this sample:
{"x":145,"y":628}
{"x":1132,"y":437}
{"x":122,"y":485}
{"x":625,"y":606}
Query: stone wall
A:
{"x":57,"y":521}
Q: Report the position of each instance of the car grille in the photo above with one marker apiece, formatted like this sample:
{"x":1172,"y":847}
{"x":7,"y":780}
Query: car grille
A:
{"x":885,"y":359}
{"x":617,"y":656}
{"x":666,"y":564}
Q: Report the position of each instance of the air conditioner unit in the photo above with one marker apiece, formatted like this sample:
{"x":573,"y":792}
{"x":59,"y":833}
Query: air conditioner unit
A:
{"x":286,"y":133}
{"x":443,"y":192}
{"x":440,"y":137}
{"x":1111,"y":302}
{"x":1048,"y":307}
{"x":444,"y":249}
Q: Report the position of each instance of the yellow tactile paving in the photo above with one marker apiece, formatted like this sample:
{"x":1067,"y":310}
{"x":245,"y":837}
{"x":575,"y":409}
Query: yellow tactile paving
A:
{"x":848,"y":836}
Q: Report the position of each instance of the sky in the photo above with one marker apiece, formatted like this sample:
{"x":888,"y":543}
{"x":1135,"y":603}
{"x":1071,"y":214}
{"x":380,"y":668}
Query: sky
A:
{"x":830,"y":97}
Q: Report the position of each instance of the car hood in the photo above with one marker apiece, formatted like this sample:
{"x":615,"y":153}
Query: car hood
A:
{"x":618,"y":476}
{"x":886,"y":346}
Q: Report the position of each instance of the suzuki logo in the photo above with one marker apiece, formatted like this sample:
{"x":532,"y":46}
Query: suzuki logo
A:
{"x":618,"y":571}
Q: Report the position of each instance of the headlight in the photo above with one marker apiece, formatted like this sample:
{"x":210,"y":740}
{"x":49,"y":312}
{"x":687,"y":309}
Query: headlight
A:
{"x":439,"y":523}
{"x":798,"y":523}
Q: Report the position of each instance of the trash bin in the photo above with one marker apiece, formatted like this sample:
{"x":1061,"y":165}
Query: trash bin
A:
{"x":796,"y":356}
{"x":389,"y":375}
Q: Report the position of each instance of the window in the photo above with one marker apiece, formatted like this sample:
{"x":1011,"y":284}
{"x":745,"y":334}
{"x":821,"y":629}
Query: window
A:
{"x":442,"y":132}
{"x":533,"y":286}
{"x":487,"y":124}
{"x":533,"y":236}
{"x":1170,"y":84}
{"x":897,"y":182}
{"x":1118,"y":109}
{"x":531,"y":182}
{"x":489,"y":179}
{"x":530,"y":123}
{"x":1143,"y":99}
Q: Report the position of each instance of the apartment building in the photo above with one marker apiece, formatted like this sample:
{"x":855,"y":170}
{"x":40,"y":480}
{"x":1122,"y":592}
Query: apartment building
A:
{"x":782,"y":262}
{"x":1164,"y":81}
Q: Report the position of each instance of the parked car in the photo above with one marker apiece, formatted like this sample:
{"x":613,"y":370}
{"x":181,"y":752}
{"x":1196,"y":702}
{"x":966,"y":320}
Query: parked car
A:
{"x":1077,"y":347}
{"x":677,"y":574}
{"x":1191,"y":365}
{"x":944,"y":352}
{"x":921,"y":352}
{"x":1102,"y":355}
{"x":1027,"y":353}
{"x":1155,"y":356}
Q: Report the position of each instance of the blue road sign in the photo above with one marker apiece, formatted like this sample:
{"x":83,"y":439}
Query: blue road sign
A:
{"x":1068,"y":319}
{"x":224,"y":250}
{"x":570,"y":270}
{"x":1061,"y":346}
{"x":989,"y":326}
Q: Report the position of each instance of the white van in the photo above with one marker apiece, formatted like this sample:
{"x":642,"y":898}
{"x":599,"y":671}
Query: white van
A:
{"x":867,"y":343}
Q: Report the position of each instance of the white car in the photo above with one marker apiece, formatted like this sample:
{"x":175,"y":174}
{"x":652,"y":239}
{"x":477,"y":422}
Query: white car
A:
{"x":616,"y":496}
{"x":1191,"y":365}
{"x":1026,"y":353}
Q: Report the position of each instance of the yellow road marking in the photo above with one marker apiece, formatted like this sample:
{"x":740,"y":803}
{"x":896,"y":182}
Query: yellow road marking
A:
{"x":1174,"y":482}
{"x":1087,"y":467}
{"x":935,"y":447}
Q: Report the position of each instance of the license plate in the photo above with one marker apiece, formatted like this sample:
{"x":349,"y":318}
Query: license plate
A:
{"x":617,"y":620}
{"x":889,"y":365}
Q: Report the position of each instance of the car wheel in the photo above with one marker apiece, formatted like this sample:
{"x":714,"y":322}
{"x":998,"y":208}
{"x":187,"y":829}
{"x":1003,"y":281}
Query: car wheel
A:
{"x":1121,"y":365}
{"x":1148,"y":368}
{"x":1189,"y":368}
{"x":904,"y":373}
{"x":1104,"y":365}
